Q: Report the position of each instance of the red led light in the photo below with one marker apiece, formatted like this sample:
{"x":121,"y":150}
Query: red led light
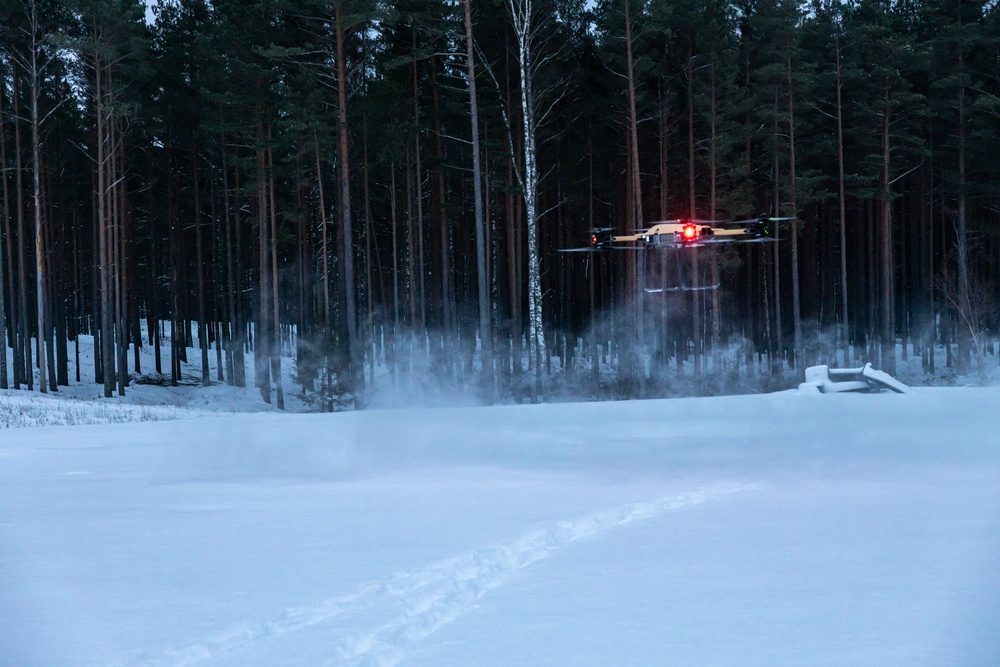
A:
{"x":593,"y":239}
{"x":689,"y":232}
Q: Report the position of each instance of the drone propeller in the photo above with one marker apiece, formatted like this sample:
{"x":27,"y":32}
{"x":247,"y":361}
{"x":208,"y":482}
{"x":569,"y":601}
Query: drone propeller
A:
{"x":763,"y":218}
{"x":682,"y":288}
{"x":600,"y":239}
{"x":682,"y":221}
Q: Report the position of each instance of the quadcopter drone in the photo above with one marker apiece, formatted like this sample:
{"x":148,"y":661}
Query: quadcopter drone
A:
{"x":683,"y":233}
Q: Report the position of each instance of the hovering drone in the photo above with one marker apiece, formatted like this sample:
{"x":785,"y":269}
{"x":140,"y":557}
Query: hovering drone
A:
{"x":683,"y":233}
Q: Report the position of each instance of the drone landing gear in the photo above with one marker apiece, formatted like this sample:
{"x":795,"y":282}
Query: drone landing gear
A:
{"x":682,"y":284}
{"x":681,"y":288}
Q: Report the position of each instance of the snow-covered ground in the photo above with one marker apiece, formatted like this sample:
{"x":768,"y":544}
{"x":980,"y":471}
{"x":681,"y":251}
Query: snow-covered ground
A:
{"x":791,"y":528}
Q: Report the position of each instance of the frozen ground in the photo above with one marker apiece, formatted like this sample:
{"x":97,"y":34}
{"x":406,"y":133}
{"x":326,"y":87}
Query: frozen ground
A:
{"x":780,"y":529}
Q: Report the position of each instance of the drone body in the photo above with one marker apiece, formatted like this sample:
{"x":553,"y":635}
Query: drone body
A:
{"x":683,"y":233}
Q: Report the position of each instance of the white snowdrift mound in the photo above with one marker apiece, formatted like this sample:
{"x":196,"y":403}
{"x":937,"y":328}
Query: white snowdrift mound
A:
{"x":787,"y":529}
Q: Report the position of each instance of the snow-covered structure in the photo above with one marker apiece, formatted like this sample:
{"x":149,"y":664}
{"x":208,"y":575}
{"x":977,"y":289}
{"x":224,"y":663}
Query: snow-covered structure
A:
{"x":832,"y":380}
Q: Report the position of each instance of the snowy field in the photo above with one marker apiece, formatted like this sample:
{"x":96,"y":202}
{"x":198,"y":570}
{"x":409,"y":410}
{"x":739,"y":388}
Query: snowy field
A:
{"x":791,"y":528}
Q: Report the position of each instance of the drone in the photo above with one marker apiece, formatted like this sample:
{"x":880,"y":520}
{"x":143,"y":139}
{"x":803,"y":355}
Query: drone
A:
{"x":684,"y":233}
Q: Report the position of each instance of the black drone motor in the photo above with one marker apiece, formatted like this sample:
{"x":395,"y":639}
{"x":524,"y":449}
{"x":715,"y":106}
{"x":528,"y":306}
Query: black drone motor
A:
{"x":760,"y":228}
{"x":601,"y":237}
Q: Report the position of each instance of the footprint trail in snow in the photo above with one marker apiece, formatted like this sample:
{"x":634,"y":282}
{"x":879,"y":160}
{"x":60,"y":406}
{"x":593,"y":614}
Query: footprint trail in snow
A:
{"x":413,"y":605}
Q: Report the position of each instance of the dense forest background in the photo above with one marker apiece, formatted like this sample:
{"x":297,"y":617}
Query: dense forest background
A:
{"x":380,"y":188}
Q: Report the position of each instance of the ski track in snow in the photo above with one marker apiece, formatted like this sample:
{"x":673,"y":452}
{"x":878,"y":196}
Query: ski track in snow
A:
{"x":420,"y":602}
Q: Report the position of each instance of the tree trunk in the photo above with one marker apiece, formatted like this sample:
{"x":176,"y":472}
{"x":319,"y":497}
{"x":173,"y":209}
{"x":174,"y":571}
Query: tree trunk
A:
{"x":522,"y":14}
{"x":263,"y":342}
{"x":696,"y":314}
{"x":636,"y":190}
{"x":206,"y":378}
{"x":961,"y":231}
{"x":842,"y":201}
{"x":22,"y":264}
{"x":36,"y":163}
{"x":6,"y":233}
{"x":779,"y":334}
{"x":713,"y":184}
{"x":324,"y":234}
{"x":419,"y":202}
{"x":448,"y":319}
{"x":799,"y":356}
{"x":888,"y":337}
{"x":276,"y":317}
{"x":357,"y":381}
{"x":485,"y":328}
{"x":118,"y":253}
{"x":637,"y":261}
{"x":104,"y":181}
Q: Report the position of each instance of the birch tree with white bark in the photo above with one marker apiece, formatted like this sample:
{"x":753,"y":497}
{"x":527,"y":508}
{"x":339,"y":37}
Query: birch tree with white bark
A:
{"x":527,"y":22}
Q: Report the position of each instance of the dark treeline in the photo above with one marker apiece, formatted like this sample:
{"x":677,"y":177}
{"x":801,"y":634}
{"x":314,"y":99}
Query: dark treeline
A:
{"x":341,"y":183}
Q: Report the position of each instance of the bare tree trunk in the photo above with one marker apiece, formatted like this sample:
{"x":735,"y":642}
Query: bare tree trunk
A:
{"x":961,"y":231}
{"x":522,"y":13}
{"x":104,"y":183}
{"x":638,"y":262}
{"x":206,"y":378}
{"x":633,"y":122}
{"x":176,"y":339}
{"x":239,"y":322}
{"x":395,"y":268}
{"x":713,"y":180}
{"x":324,"y":235}
{"x":485,"y":328}
{"x":664,"y":154}
{"x":357,"y":380}
{"x":230,"y":290}
{"x":513,"y":211}
{"x":888,"y":337}
{"x":411,"y":254}
{"x":842,"y":200}
{"x":276,"y":318}
{"x":22,"y":264}
{"x":263,"y":343}
{"x":696,"y":310}
{"x":223,"y":365}
{"x":117,"y":253}
{"x":36,"y":144}
{"x":664,"y":149}
{"x":779,"y":334}
{"x":130,"y":297}
{"x":6,"y":232}
{"x":793,"y":236}
{"x":448,"y":319}
{"x":371,"y":250}
{"x":418,"y":227}
{"x":514,"y":273}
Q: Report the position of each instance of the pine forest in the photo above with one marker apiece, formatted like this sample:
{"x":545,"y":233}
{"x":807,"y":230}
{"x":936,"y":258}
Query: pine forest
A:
{"x":377,"y":191}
